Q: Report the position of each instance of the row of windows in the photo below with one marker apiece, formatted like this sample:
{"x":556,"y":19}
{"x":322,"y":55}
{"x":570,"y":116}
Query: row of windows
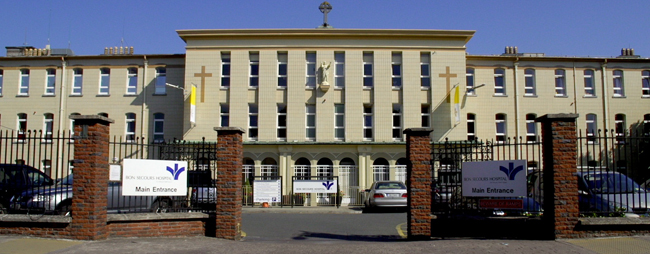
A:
{"x":310,"y":121}
{"x":312,"y":70}
{"x":530,"y":86}
{"x":78,"y":80}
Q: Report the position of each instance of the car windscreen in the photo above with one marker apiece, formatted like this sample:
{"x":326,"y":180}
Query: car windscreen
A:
{"x":390,"y":186}
{"x":610,"y":183}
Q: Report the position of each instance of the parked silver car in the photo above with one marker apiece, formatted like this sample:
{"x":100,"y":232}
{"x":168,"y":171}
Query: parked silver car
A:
{"x":386,"y":194}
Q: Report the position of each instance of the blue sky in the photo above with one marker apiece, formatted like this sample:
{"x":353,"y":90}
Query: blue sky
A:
{"x":557,"y":28}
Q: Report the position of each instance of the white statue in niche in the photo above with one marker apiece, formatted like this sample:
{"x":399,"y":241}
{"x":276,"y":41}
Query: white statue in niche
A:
{"x":324,"y":68}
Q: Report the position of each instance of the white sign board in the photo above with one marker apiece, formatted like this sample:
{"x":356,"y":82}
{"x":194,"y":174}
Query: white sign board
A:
{"x":315,"y":186}
{"x":494,"y":179}
{"x":115,"y":173}
{"x":267,"y":191}
{"x":154,"y":178}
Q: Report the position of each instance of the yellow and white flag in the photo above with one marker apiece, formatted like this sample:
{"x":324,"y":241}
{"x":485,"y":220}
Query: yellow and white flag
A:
{"x":457,"y":104}
{"x":193,"y":105}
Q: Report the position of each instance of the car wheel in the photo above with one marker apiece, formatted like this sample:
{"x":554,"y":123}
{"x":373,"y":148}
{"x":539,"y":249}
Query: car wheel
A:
{"x":367,"y":208}
{"x":161,"y":206}
{"x":64,"y":209}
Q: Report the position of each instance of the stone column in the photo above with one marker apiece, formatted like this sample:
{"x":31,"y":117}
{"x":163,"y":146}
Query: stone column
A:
{"x":418,"y":152}
{"x":559,"y":144}
{"x":230,"y":154}
{"x":90,"y":179}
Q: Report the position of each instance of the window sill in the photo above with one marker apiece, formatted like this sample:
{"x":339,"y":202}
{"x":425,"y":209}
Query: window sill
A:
{"x":589,"y":96}
{"x":310,"y":88}
{"x":471,"y":95}
{"x":619,"y":97}
{"x":425,"y":88}
{"x":49,"y":95}
{"x":224,"y":88}
{"x":339,"y":88}
{"x":397,"y":88}
{"x":642,"y":96}
{"x":500,"y":95}
{"x":22,"y":95}
{"x":130,"y":95}
{"x":561,"y":96}
{"x":530,"y":96}
{"x":159,"y":94}
{"x":103,"y":95}
{"x":367,"y":88}
{"x":76,"y":95}
{"x":249,"y":88}
{"x":282,"y":88}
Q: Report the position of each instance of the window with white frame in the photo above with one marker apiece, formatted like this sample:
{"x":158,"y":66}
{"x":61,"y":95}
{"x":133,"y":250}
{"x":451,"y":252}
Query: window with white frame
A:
{"x":645,"y":83}
{"x":469,"y":81}
{"x":397,"y":122}
{"x":22,"y":126}
{"x":282,"y":122}
{"x":282,"y":69}
{"x":161,"y":81}
{"x":560,"y":82}
{"x":618,"y":86}
{"x":619,"y":127}
{"x":132,"y":81}
{"x":396,"y":66}
{"x":590,"y":88}
{"x":224,"y":114}
{"x":381,"y":170}
{"x":368,"y":69}
{"x":501,"y":129}
{"x":72,"y":124}
{"x":531,"y":128}
{"x":269,"y":168}
{"x":592,"y":127}
{"x":529,"y":86}
{"x":310,"y":123}
{"x":499,"y":82}
{"x":310,"y":75}
{"x":339,"y":69}
{"x":77,"y":81}
{"x":247,"y":171}
{"x":471,"y":127}
{"x":130,"y":127}
{"x":425,"y":70}
{"x":225,"y":69}
{"x":1,"y":80}
{"x":104,"y":81}
{"x":48,"y":126}
{"x":158,"y":127}
{"x":367,"y":122}
{"x":50,"y":81}
{"x":646,"y":124}
{"x":24,"y":82}
{"x":254,"y":68}
{"x":339,"y":122}
{"x":302,"y":169}
{"x":252,"y":121}
{"x":425,"y":115}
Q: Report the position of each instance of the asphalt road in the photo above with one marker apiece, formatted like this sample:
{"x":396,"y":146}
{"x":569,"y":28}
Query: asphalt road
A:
{"x":323,"y":227}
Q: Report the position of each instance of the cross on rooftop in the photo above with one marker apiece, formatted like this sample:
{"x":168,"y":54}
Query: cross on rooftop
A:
{"x":325,"y":8}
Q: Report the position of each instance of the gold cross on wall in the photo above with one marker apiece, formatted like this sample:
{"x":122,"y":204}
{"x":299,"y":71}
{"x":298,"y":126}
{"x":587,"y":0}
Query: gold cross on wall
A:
{"x":204,"y":75}
{"x":448,"y":77}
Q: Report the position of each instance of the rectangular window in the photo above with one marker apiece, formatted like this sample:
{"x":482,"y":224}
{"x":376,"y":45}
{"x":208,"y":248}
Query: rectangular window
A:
{"x":339,"y":69}
{"x":396,"y":64}
{"x":645,"y":84}
{"x":397,"y":122}
{"x":282,"y":122}
{"x":367,"y":122}
{"x":426,"y":116}
{"x":529,"y":87}
{"x":132,"y":81}
{"x":252,"y":122}
{"x":48,"y":126}
{"x":225,"y":69}
{"x":24,"y":82}
{"x":310,"y":76}
{"x":161,"y":81}
{"x":471,"y":127}
{"x":619,"y":90}
{"x":469,"y":81}
{"x":224,"y":114}
{"x":339,"y":122}
{"x":282,"y":69}
{"x":254,"y":76}
{"x":646,"y":124}
{"x":367,"y":69}
{"x":310,"y":124}
{"x":592,"y":127}
{"x":590,"y":89}
{"x":104,"y":81}
{"x":619,"y":125}
{"x":531,"y":128}
{"x":47,"y":167}
{"x":425,"y":70}
{"x":130,"y":127}
{"x":22,"y":126}
{"x":560,"y":83}
{"x":500,"y":120}
{"x":50,"y":81}
{"x":77,"y":81}
{"x":1,"y":74}
{"x":158,"y":127}
{"x":499,"y":82}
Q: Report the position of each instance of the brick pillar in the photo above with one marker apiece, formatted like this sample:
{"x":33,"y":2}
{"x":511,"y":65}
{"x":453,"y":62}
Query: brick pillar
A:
{"x":559,"y":149}
{"x":90,"y":182}
{"x":230,"y":154}
{"x":418,"y":181}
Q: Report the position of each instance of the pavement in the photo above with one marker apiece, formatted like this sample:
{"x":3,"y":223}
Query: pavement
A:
{"x":31,"y":245}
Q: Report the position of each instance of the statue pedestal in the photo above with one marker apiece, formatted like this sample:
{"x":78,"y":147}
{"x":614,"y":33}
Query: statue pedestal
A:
{"x":324,"y":86}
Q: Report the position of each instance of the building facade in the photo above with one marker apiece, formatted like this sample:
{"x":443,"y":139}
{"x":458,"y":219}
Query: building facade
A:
{"x":324,"y":102}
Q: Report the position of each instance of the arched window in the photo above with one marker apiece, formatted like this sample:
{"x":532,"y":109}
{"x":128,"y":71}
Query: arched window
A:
{"x":302,"y":169}
{"x":499,"y":82}
{"x":248,"y":170}
{"x":380,"y":170}
{"x":104,"y":81}
{"x":132,"y":81}
{"x":50,"y":81}
{"x":77,"y":81}
{"x":618,"y":85}
{"x":269,"y":168}
{"x":324,"y":168}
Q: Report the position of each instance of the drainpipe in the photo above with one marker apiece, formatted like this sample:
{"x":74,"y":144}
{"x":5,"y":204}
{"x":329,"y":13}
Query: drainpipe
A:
{"x":605,"y":98}
{"x":62,"y":94}
{"x":516,"y":88}
{"x":575,"y":90}
{"x":143,"y":92}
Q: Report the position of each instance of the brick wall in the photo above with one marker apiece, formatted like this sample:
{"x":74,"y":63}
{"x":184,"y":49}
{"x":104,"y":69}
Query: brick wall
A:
{"x":418,"y":150}
{"x":157,"y":229}
{"x":229,"y":182}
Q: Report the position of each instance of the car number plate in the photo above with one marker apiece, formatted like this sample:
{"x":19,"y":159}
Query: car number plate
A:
{"x":393,"y":195}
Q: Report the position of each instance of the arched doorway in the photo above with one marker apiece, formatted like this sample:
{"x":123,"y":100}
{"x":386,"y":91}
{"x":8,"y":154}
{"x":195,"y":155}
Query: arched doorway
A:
{"x":248,"y":174}
{"x":380,"y":170}
{"x":269,"y":168}
{"x":349,"y":182}
{"x":324,"y":170}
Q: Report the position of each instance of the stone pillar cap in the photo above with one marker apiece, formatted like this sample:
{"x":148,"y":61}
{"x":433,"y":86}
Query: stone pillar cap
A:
{"x":234,"y":129}
{"x":557,"y":117}
{"x":91,"y":118}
